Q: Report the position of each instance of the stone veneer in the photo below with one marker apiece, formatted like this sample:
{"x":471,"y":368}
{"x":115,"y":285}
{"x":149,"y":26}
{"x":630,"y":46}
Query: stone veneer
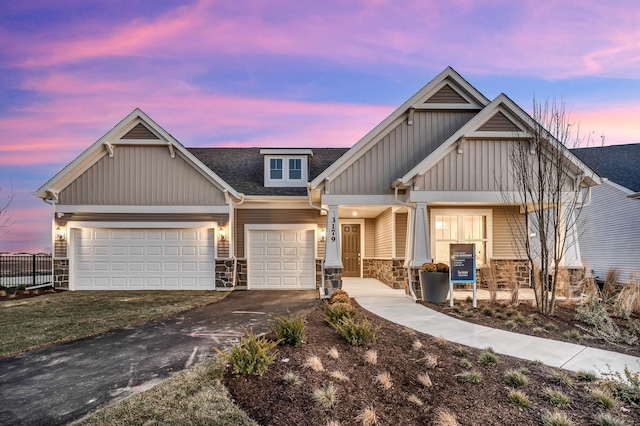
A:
{"x":332,"y":279}
{"x":522,"y":273}
{"x":224,"y":273}
{"x":392,"y":272}
{"x":61,"y":273}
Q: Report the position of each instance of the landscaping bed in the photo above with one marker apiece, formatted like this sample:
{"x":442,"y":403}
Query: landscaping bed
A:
{"x":430,"y":381}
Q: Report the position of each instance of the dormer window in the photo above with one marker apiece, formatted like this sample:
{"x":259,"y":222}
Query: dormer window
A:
{"x":286,"y":167}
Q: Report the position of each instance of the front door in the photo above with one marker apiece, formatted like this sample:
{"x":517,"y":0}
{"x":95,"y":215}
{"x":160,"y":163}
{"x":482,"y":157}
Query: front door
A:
{"x":351,"y":250}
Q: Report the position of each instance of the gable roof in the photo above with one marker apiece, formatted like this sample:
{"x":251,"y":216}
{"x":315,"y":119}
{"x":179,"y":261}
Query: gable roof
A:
{"x":618,"y":163}
{"x":244,"y":168}
{"x":448,"y":90}
{"x":136,"y":128}
{"x":502,"y":118}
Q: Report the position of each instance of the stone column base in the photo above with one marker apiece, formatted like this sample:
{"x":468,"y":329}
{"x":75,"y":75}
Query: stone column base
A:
{"x":332,"y":278}
{"x":61,"y":273}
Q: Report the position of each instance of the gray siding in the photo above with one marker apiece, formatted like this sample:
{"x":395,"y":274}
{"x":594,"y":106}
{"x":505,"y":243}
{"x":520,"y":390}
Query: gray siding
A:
{"x":508,"y":228}
{"x":478,"y":168}
{"x":369,"y":237}
{"x":383,"y":235}
{"x":397,"y":151}
{"x":609,"y":234}
{"x":274,"y":216}
{"x":401,"y":234}
{"x":142,"y":175}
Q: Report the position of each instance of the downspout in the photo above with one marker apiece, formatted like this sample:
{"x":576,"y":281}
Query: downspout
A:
{"x":322,"y":209}
{"x":232,"y":234}
{"x":413,"y":238}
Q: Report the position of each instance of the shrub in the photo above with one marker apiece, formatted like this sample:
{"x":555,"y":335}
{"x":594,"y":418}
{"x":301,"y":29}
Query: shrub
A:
{"x":444,"y":417}
{"x":429,"y":267}
{"x":606,"y":419}
{"x":340,"y":296}
{"x":550,"y":326}
{"x":416,"y":345}
{"x":625,"y":389}
{"x":384,"y":380}
{"x":462,"y":352}
{"x":557,"y":418}
{"x":516,"y":378}
{"x":253,"y":356}
{"x":367,"y":416}
{"x":415,"y":400}
{"x":557,"y":398}
{"x":371,"y":357}
{"x":626,"y":301}
{"x":519,"y":398}
{"x":488,"y":357}
{"x":289,"y":329}
{"x":488,"y":311}
{"x":314,"y":363}
{"x":333,"y":353}
{"x":425,"y":380}
{"x":465,"y":363}
{"x":573,"y":335}
{"x":291,"y":378}
{"x":602,"y":397}
{"x":327,"y":396}
{"x":562,"y":379}
{"x":470,"y":376}
{"x":339,"y":375}
{"x":586,"y":376}
{"x":357,"y":333}
{"x":333,"y":314}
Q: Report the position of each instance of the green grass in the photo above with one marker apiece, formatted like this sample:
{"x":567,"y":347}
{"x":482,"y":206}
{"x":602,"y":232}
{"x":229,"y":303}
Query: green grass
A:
{"x":54,"y":318}
{"x":191,"y":397}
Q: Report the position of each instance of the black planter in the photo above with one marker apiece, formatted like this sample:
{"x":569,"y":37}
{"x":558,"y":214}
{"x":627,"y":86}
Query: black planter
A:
{"x":434,"y":286}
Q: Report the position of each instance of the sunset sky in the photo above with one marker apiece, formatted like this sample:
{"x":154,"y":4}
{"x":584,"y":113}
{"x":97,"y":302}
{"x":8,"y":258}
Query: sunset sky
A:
{"x":286,"y":73}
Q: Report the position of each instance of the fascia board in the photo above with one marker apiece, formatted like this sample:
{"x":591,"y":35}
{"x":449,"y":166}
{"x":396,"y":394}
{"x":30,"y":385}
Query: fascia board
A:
{"x":363,"y":143}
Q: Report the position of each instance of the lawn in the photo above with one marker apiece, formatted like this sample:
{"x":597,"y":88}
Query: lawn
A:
{"x":60,"y":317}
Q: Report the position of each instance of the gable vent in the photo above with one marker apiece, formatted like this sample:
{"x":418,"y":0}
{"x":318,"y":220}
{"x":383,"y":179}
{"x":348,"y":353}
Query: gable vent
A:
{"x":499,"y":123}
{"x":140,"y":131}
{"x":446,"y":95}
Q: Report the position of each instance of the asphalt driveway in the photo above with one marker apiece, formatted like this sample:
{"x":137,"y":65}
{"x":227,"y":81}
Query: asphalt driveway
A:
{"x":62,"y":383}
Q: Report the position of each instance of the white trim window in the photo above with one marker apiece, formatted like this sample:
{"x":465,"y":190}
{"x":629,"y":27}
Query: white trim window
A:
{"x":461,"y":226}
{"x":285,"y":170}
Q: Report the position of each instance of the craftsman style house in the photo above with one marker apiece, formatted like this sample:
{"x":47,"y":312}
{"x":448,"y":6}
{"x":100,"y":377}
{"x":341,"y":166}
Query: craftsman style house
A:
{"x":138,"y":210}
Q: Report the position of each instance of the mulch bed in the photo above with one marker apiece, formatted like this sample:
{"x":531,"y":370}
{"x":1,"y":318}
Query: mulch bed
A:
{"x":560,"y":326}
{"x":26,"y":294}
{"x":271,"y":401}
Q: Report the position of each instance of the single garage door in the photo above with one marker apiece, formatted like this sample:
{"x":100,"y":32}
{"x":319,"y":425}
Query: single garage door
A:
{"x":281,"y":259}
{"x":143,"y":259}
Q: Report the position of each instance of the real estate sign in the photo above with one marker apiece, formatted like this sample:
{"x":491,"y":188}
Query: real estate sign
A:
{"x":463,"y":268}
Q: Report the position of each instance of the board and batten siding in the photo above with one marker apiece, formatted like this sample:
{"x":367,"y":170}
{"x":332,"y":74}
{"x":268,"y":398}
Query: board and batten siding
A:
{"x":142,"y":175}
{"x":480,"y":166}
{"x":401,"y":234}
{"x":609,"y":232}
{"x":383,"y":230}
{"x":275,"y":216}
{"x":397,"y":151}
{"x":508,"y":228}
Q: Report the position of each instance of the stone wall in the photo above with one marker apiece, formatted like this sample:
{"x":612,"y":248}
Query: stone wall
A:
{"x":61,"y":273}
{"x":224,"y":273}
{"x":318,"y":273}
{"x":389,"y":271}
{"x":332,"y":278}
{"x":505,"y":270}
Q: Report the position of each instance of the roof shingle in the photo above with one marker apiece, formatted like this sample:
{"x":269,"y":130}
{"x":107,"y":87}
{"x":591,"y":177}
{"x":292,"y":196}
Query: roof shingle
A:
{"x":618,"y":163}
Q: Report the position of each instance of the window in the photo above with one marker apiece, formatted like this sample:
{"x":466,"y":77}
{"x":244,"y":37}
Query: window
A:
{"x":275,"y":168}
{"x":285,"y":170}
{"x":460,"y":226}
{"x":295,"y":169}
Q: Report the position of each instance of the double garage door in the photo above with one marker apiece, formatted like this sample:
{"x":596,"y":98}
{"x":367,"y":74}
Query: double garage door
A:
{"x":281,"y":259}
{"x":142,"y":259}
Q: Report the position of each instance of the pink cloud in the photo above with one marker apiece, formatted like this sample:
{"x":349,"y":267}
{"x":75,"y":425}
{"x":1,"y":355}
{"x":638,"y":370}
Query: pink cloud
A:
{"x":617,"y":123}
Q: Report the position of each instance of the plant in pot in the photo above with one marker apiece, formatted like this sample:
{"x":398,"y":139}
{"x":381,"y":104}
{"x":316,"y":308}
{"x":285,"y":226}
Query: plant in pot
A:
{"x":434,"y":282}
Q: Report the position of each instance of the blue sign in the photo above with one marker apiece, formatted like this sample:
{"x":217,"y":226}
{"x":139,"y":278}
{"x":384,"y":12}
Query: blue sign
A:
{"x":463,"y":263}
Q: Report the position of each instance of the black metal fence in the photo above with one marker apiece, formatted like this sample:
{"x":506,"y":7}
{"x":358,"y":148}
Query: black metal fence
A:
{"x":25,"y":269}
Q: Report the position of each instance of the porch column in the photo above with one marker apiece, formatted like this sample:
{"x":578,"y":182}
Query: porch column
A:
{"x":571,"y":257}
{"x":421,"y":247}
{"x":332,"y":251}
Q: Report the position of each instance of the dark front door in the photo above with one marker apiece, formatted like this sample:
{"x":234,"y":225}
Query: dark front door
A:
{"x":351,"y":250}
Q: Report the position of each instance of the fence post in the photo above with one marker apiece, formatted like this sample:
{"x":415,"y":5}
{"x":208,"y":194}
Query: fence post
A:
{"x":33,"y":270}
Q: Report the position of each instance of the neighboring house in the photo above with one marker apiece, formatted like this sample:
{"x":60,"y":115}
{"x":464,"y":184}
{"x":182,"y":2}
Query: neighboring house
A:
{"x":138,"y":210}
{"x":610,"y":231}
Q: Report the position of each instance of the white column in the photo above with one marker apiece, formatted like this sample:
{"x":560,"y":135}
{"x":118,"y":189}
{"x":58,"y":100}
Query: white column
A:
{"x":409,"y":244}
{"x":571,"y":257}
{"x":333,"y":251}
{"x":421,"y":247}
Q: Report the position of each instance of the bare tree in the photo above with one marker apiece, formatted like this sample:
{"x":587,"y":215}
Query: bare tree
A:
{"x":5,"y":217}
{"x":547,"y":186}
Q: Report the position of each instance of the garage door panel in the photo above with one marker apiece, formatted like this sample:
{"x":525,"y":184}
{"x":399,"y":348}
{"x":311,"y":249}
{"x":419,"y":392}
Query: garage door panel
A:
{"x":143,"y":259}
{"x":281,"y":259}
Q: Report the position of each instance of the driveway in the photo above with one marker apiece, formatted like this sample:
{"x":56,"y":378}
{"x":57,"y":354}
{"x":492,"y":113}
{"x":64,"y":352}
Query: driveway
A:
{"x":62,"y":383}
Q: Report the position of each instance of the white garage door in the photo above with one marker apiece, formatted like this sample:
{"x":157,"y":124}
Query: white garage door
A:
{"x":143,"y":259}
{"x":281,"y":259}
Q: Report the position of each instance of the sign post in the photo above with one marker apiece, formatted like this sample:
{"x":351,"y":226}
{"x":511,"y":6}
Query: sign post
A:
{"x":463,"y":268}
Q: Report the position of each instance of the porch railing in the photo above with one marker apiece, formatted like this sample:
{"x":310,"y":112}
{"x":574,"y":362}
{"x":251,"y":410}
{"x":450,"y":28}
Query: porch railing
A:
{"x":25,"y":269}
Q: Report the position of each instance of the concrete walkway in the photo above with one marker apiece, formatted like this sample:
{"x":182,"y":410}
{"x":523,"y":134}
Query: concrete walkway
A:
{"x":396,"y":306}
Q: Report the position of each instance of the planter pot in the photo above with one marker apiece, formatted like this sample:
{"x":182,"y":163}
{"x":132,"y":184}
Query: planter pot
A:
{"x":434,"y":286}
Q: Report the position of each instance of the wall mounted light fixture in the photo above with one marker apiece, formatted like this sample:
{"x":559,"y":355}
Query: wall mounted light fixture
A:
{"x":323,"y":234}
{"x":59,"y":234}
{"x":221,"y":234}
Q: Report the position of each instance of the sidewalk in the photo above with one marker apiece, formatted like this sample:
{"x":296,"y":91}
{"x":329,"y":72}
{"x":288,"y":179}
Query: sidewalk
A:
{"x":396,"y":306}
